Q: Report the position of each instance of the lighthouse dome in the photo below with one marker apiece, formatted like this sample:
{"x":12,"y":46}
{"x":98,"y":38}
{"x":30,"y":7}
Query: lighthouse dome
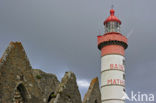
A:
{"x":112,"y":23}
{"x":112,"y":17}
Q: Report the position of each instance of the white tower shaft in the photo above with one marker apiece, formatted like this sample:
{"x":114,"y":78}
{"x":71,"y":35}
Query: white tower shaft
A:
{"x":112,"y":78}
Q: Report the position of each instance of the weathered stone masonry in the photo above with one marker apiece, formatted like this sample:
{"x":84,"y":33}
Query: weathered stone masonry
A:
{"x":19,"y":83}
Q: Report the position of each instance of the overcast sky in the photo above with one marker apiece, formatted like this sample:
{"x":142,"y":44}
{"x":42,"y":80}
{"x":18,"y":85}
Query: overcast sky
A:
{"x":60,"y":35}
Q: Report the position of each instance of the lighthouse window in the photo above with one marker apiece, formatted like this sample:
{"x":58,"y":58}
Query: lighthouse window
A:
{"x":124,"y":63}
{"x":106,"y":28}
{"x":118,"y":27}
{"x":112,"y":27}
{"x":124,"y":90}
{"x":123,"y":76}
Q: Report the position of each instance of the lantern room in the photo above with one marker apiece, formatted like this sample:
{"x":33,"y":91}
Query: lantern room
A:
{"x":112,"y":23}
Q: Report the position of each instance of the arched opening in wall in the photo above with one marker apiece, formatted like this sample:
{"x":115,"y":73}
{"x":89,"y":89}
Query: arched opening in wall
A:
{"x":20,"y":94}
{"x":69,"y":99}
{"x":51,"y":96}
{"x":95,"y":101}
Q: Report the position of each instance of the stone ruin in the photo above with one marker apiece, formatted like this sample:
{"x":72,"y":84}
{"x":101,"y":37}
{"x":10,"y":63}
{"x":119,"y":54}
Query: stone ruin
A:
{"x":19,"y":83}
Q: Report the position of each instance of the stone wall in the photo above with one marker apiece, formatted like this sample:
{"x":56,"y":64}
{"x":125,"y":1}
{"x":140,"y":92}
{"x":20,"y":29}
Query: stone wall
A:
{"x":67,"y":91}
{"x":47,"y":83}
{"x":19,"y":83}
{"x":93,"y":95}
{"x":15,"y":70}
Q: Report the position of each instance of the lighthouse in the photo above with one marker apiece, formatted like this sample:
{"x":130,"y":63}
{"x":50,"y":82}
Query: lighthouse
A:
{"x":112,"y":46}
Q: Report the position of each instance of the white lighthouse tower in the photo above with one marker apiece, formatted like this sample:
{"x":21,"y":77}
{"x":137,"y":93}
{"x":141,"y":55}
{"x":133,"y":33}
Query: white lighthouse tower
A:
{"x":112,"y":45}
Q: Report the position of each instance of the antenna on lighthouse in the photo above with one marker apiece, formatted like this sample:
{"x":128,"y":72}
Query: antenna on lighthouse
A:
{"x":130,"y":33}
{"x":112,"y":7}
{"x":112,"y":4}
{"x":99,"y":28}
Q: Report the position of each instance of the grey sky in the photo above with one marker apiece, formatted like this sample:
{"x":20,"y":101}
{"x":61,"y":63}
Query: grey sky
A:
{"x":60,"y":35}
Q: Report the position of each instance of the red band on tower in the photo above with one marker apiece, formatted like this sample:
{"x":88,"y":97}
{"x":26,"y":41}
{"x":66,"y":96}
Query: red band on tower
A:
{"x":112,"y":49}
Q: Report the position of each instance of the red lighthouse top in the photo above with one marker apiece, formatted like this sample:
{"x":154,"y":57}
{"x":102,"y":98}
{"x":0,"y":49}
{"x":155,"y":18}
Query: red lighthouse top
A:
{"x":112,"y":17}
{"x":112,"y":42}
